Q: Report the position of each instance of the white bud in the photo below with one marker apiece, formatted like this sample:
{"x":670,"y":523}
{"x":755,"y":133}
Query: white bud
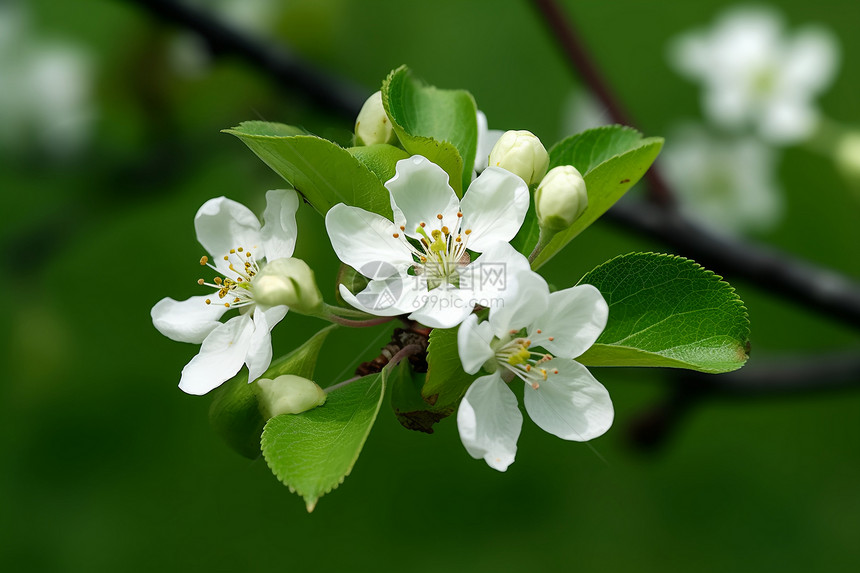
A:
{"x":289,"y":394}
{"x":848,"y":155}
{"x":291,"y":282}
{"x":372,"y":125}
{"x":521,"y":153}
{"x":560,"y":198}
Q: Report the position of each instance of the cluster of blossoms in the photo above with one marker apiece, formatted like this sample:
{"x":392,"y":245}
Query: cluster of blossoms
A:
{"x":441,"y":261}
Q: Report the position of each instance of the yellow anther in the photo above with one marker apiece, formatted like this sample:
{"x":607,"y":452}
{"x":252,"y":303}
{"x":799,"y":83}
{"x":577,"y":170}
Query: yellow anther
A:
{"x":445,"y":230}
{"x":237,"y":299}
{"x":458,"y":238}
{"x":238,"y":279}
{"x":527,"y":343}
{"x":240,"y":249}
{"x":396,"y":235}
{"x":459,"y":214}
{"x":422,"y":224}
{"x":539,"y":331}
{"x":200,"y":281}
{"x":208,"y":301}
{"x":402,"y":228}
{"x":468,"y":231}
{"x":555,"y":371}
{"x":528,"y":367}
{"x":439,"y":216}
{"x":535,"y":386}
{"x":232,"y":251}
{"x":543,"y":373}
{"x":226,"y":257}
{"x":227,"y":304}
{"x":217,"y":280}
{"x":248,"y":254}
{"x":513,"y":332}
{"x":203,"y":260}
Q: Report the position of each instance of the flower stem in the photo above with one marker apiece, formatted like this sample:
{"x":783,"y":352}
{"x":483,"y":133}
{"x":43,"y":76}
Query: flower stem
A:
{"x":543,"y":240}
{"x":404,"y":352}
{"x":358,"y":323}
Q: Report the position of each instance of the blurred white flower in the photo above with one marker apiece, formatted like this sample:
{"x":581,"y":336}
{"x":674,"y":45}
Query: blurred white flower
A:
{"x":45,"y":89}
{"x":581,"y":111}
{"x":755,"y":74}
{"x":728,"y":185}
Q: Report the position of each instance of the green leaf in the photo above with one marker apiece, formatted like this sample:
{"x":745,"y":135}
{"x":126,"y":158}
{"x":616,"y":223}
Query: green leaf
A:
{"x":323,"y":172}
{"x":439,"y":124}
{"x":409,"y":407}
{"x":611,"y":159}
{"x":668,"y":311}
{"x":313,"y":452}
{"x":381,"y":159}
{"x":235,"y":414}
{"x":447,"y":382}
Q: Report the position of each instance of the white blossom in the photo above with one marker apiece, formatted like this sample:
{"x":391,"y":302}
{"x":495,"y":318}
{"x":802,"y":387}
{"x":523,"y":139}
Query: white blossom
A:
{"x":533,"y":338}
{"x":239,"y":247}
{"x":755,"y":74}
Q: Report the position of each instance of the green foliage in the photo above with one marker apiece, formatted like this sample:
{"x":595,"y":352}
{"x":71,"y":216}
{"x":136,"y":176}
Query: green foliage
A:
{"x":314,"y":451}
{"x":668,"y":311}
{"x":439,"y":124}
{"x":235,"y":414}
{"x":410,"y":408}
{"x":447,"y":382}
{"x":323,"y":172}
{"x":381,"y":159}
{"x":611,"y":159}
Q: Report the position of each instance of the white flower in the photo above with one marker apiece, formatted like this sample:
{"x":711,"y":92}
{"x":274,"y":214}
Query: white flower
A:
{"x":231,"y":233}
{"x":754,"y":74}
{"x":728,"y":185}
{"x":561,"y":396}
{"x":420,"y":263}
{"x":487,"y":139}
{"x":45,"y":98}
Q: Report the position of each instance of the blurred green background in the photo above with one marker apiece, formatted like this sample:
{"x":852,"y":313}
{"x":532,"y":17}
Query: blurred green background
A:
{"x":107,"y":466}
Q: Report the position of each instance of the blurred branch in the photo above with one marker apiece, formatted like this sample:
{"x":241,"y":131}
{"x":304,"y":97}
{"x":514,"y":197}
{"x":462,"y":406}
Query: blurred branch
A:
{"x":765,"y":378}
{"x":580,"y":58}
{"x":816,"y":288}
{"x":328,"y":91}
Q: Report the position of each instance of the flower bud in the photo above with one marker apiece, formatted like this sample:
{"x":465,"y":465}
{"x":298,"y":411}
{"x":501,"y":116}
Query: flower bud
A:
{"x":560,"y":198}
{"x":521,"y":153}
{"x":291,"y":282}
{"x":372,"y":125}
{"x":848,"y":155}
{"x":289,"y":394}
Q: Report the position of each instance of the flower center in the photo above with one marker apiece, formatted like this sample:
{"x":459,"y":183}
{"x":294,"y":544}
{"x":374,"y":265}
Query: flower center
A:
{"x":234,"y":284}
{"x":517,"y":357}
{"x":441,"y":254}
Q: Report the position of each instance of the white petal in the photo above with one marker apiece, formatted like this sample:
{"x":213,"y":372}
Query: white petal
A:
{"x":223,"y":224}
{"x":419,"y":192}
{"x":260,"y":351}
{"x":365,"y":241}
{"x":574,"y":319}
{"x":444,"y":307}
{"x":473,"y":343}
{"x":387,"y":297}
{"x":490,"y":421}
{"x":487,"y":138}
{"x":788,"y":121}
{"x":810,"y":61}
{"x":526,"y":298}
{"x":493,"y":275}
{"x":190,"y":320}
{"x":571,"y":404}
{"x":279,"y":228}
{"x":494,"y":208}
{"x":220,"y":358}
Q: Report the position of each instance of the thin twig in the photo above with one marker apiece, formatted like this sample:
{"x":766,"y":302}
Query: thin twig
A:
{"x":585,"y":66}
{"x":328,"y":91}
